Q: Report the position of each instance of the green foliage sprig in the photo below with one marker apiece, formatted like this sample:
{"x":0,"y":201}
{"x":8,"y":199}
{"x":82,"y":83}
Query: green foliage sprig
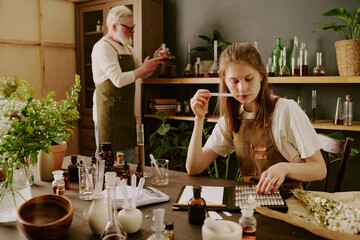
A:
{"x":351,"y":30}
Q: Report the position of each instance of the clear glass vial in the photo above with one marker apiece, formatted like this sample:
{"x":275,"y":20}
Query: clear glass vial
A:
{"x":348,"y":111}
{"x":248,"y":221}
{"x":58,"y":184}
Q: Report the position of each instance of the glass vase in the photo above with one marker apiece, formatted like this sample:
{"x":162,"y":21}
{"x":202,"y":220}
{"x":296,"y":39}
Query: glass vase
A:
{"x":13,"y":193}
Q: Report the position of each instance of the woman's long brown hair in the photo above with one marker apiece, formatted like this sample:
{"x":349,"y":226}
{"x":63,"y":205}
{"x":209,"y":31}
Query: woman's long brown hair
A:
{"x":229,"y":107}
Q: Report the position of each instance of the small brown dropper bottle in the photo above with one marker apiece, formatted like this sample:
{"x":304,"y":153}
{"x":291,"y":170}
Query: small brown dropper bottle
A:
{"x":197,"y":207}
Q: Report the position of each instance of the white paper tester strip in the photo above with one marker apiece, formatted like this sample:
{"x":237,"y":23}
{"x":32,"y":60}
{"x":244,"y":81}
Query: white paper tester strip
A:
{"x":222,"y":94}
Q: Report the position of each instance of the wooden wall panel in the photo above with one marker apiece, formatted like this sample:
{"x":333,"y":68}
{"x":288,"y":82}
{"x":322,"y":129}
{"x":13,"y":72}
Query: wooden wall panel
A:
{"x":60,"y":69}
{"x":22,"y":61}
{"x":19,"y":19}
{"x":58,"y":21}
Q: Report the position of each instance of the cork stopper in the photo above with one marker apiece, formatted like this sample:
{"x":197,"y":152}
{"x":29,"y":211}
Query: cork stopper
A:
{"x":348,"y":97}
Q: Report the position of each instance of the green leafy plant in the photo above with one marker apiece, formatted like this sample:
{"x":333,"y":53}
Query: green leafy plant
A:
{"x":351,"y":30}
{"x":170,"y":142}
{"x":207,"y":52}
{"x":28,"y":125}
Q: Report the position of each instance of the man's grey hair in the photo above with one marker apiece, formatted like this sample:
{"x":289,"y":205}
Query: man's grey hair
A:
{"x":117,"y":14}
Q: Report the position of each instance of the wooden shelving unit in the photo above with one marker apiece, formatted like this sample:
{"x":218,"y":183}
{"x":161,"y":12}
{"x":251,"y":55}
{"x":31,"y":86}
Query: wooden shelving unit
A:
{"x":273,"y":80}
{"x":319,"y":124}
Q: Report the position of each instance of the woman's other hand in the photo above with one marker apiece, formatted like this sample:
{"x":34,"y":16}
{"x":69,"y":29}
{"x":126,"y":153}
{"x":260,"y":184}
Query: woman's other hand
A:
{"x":272,"y":179}
{"x":199,"y":102}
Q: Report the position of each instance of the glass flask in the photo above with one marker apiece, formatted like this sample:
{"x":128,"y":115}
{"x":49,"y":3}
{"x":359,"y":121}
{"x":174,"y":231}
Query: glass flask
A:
{"x":275,"y":55}
{"x":270,"y":68}
{"x":158,"y":227}
{"x":197,"y":67}
{"x":213,"y":71}
{"x":339,"y":117}
{"x":319,"y":70}
{"x":313,"y":105}
{"x":295,"y":70}
{"x":188,"y":72}
{"x":348,"y":111}
{"x":303,"y":62}
{"x":113,"y":229}
{"x":284,"y":72}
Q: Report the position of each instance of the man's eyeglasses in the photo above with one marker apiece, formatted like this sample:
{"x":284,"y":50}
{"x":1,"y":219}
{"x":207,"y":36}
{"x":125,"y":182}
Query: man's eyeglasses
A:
{"x":129,"y":28}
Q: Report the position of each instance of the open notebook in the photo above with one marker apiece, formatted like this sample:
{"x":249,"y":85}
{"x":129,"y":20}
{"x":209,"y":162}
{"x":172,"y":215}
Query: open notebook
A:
{"x":148,"y":195}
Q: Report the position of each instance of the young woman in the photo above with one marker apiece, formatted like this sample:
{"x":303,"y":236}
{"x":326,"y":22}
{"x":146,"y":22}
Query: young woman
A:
{"x":274,"y":141}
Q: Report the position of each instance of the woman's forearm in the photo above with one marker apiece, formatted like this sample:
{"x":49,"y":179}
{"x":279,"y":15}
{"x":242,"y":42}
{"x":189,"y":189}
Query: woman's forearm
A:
{"x":194,"y":157}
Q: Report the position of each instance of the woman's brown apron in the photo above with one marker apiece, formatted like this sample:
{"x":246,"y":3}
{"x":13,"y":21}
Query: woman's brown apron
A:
{"x":256,"y":151}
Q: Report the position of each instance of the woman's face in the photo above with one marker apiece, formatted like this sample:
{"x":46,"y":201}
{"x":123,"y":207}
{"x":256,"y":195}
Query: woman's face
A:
{"x":244,"y":82}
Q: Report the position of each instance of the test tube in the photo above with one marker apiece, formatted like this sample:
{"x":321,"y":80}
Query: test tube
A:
{"x":313,"y":105}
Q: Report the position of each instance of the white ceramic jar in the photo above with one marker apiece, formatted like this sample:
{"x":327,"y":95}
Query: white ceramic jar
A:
{"x":130,"y":218}
{"x":98,"y":215}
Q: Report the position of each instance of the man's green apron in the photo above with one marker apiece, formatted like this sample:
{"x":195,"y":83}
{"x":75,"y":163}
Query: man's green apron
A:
{"x":115,"y":110}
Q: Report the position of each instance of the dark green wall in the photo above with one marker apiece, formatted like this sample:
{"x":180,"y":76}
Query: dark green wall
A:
{"x":264,"y":21}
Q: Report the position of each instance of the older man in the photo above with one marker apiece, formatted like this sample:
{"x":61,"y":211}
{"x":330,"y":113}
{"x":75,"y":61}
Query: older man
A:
{"x":115,"y":69}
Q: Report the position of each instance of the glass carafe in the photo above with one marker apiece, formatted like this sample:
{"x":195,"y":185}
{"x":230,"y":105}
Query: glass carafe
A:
{"x":188,"y":72}
{"x":319,"y":70}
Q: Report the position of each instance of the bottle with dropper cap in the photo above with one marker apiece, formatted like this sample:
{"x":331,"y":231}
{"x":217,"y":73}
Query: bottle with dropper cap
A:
{"x":159,"y":225}
{"x":248,"y":221}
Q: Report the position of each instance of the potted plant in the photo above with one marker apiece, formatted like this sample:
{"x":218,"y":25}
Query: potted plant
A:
{"x":206,"y":53}
{"x":347,"y":51}
{"x":27,"y":126}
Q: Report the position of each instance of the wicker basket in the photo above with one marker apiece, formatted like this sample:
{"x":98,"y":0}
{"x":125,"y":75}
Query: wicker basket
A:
{"x":348,"y":57}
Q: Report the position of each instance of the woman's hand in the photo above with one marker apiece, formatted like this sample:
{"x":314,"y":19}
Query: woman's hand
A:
{"x":272,"y":178}
{"x":199,"y":102}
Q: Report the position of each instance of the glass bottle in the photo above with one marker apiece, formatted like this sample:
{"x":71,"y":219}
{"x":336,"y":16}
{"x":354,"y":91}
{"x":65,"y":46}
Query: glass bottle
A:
{"x":319,"y":70}
{"x":196,"y":208}
{"x":303,"y":62}
{"x":107,"y":154}
{"x":198,"y":68}
{"x":339,"y":118}
{"x":213,"y":71}
{"x":119,"y":165}
{"x":58,"y":184}
{"x":113,"y":229}
{"x":313,"y":105}
{"x":169,"y":230}
{"x":179,"y":108}
{"x":275,"y":55}
{"x":299,"y":102}
{"x":158,"y":227}
{"x":98,"y":26}
{"x":295,"y":70}
{"x":348,"y":111}
{"x":66,"y":179}
{"x":284,"y":72}
{"x":141,"y":148}
{"x":270,"y":68}
{"x":188,"y":72}
{"x":73,"y":169}
{"x":163,"y":53}
{"x":248,"y":221}
{"x":126,"y":173}
{"x":256,"y":45}
{"x":139,"y":173}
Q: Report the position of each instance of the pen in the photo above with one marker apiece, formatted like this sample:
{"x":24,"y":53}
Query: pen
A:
{"x":222,"y":94}
{"x":207,"y":205}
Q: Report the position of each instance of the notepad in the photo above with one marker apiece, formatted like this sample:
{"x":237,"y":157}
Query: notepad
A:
{"x":148,"y":195}
{"x":211,"y":195}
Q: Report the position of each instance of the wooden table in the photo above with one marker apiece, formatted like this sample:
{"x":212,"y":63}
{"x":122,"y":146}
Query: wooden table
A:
{"x":267,"y":228}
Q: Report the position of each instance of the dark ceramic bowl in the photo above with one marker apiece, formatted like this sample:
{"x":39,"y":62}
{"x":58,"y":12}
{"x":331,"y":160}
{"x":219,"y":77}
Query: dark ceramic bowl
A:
{"x":45,"y":217}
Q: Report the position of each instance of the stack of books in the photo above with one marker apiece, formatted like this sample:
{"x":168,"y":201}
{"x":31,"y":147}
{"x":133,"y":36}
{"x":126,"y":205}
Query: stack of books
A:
{"x":167,"y":106}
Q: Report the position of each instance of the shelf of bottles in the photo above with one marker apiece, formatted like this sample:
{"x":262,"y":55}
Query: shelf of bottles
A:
{"x":318,"y":124}
{"x":273,"y":80}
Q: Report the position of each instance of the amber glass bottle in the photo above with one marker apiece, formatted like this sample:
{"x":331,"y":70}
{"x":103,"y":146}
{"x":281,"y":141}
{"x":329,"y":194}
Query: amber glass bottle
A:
{"x":197,"y":208}
{"x":73,"y":169}
{"x":107,"y":154}
{"x":119,"y":165}
{"x":139,"y":172}
{"x":126,"y":173}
